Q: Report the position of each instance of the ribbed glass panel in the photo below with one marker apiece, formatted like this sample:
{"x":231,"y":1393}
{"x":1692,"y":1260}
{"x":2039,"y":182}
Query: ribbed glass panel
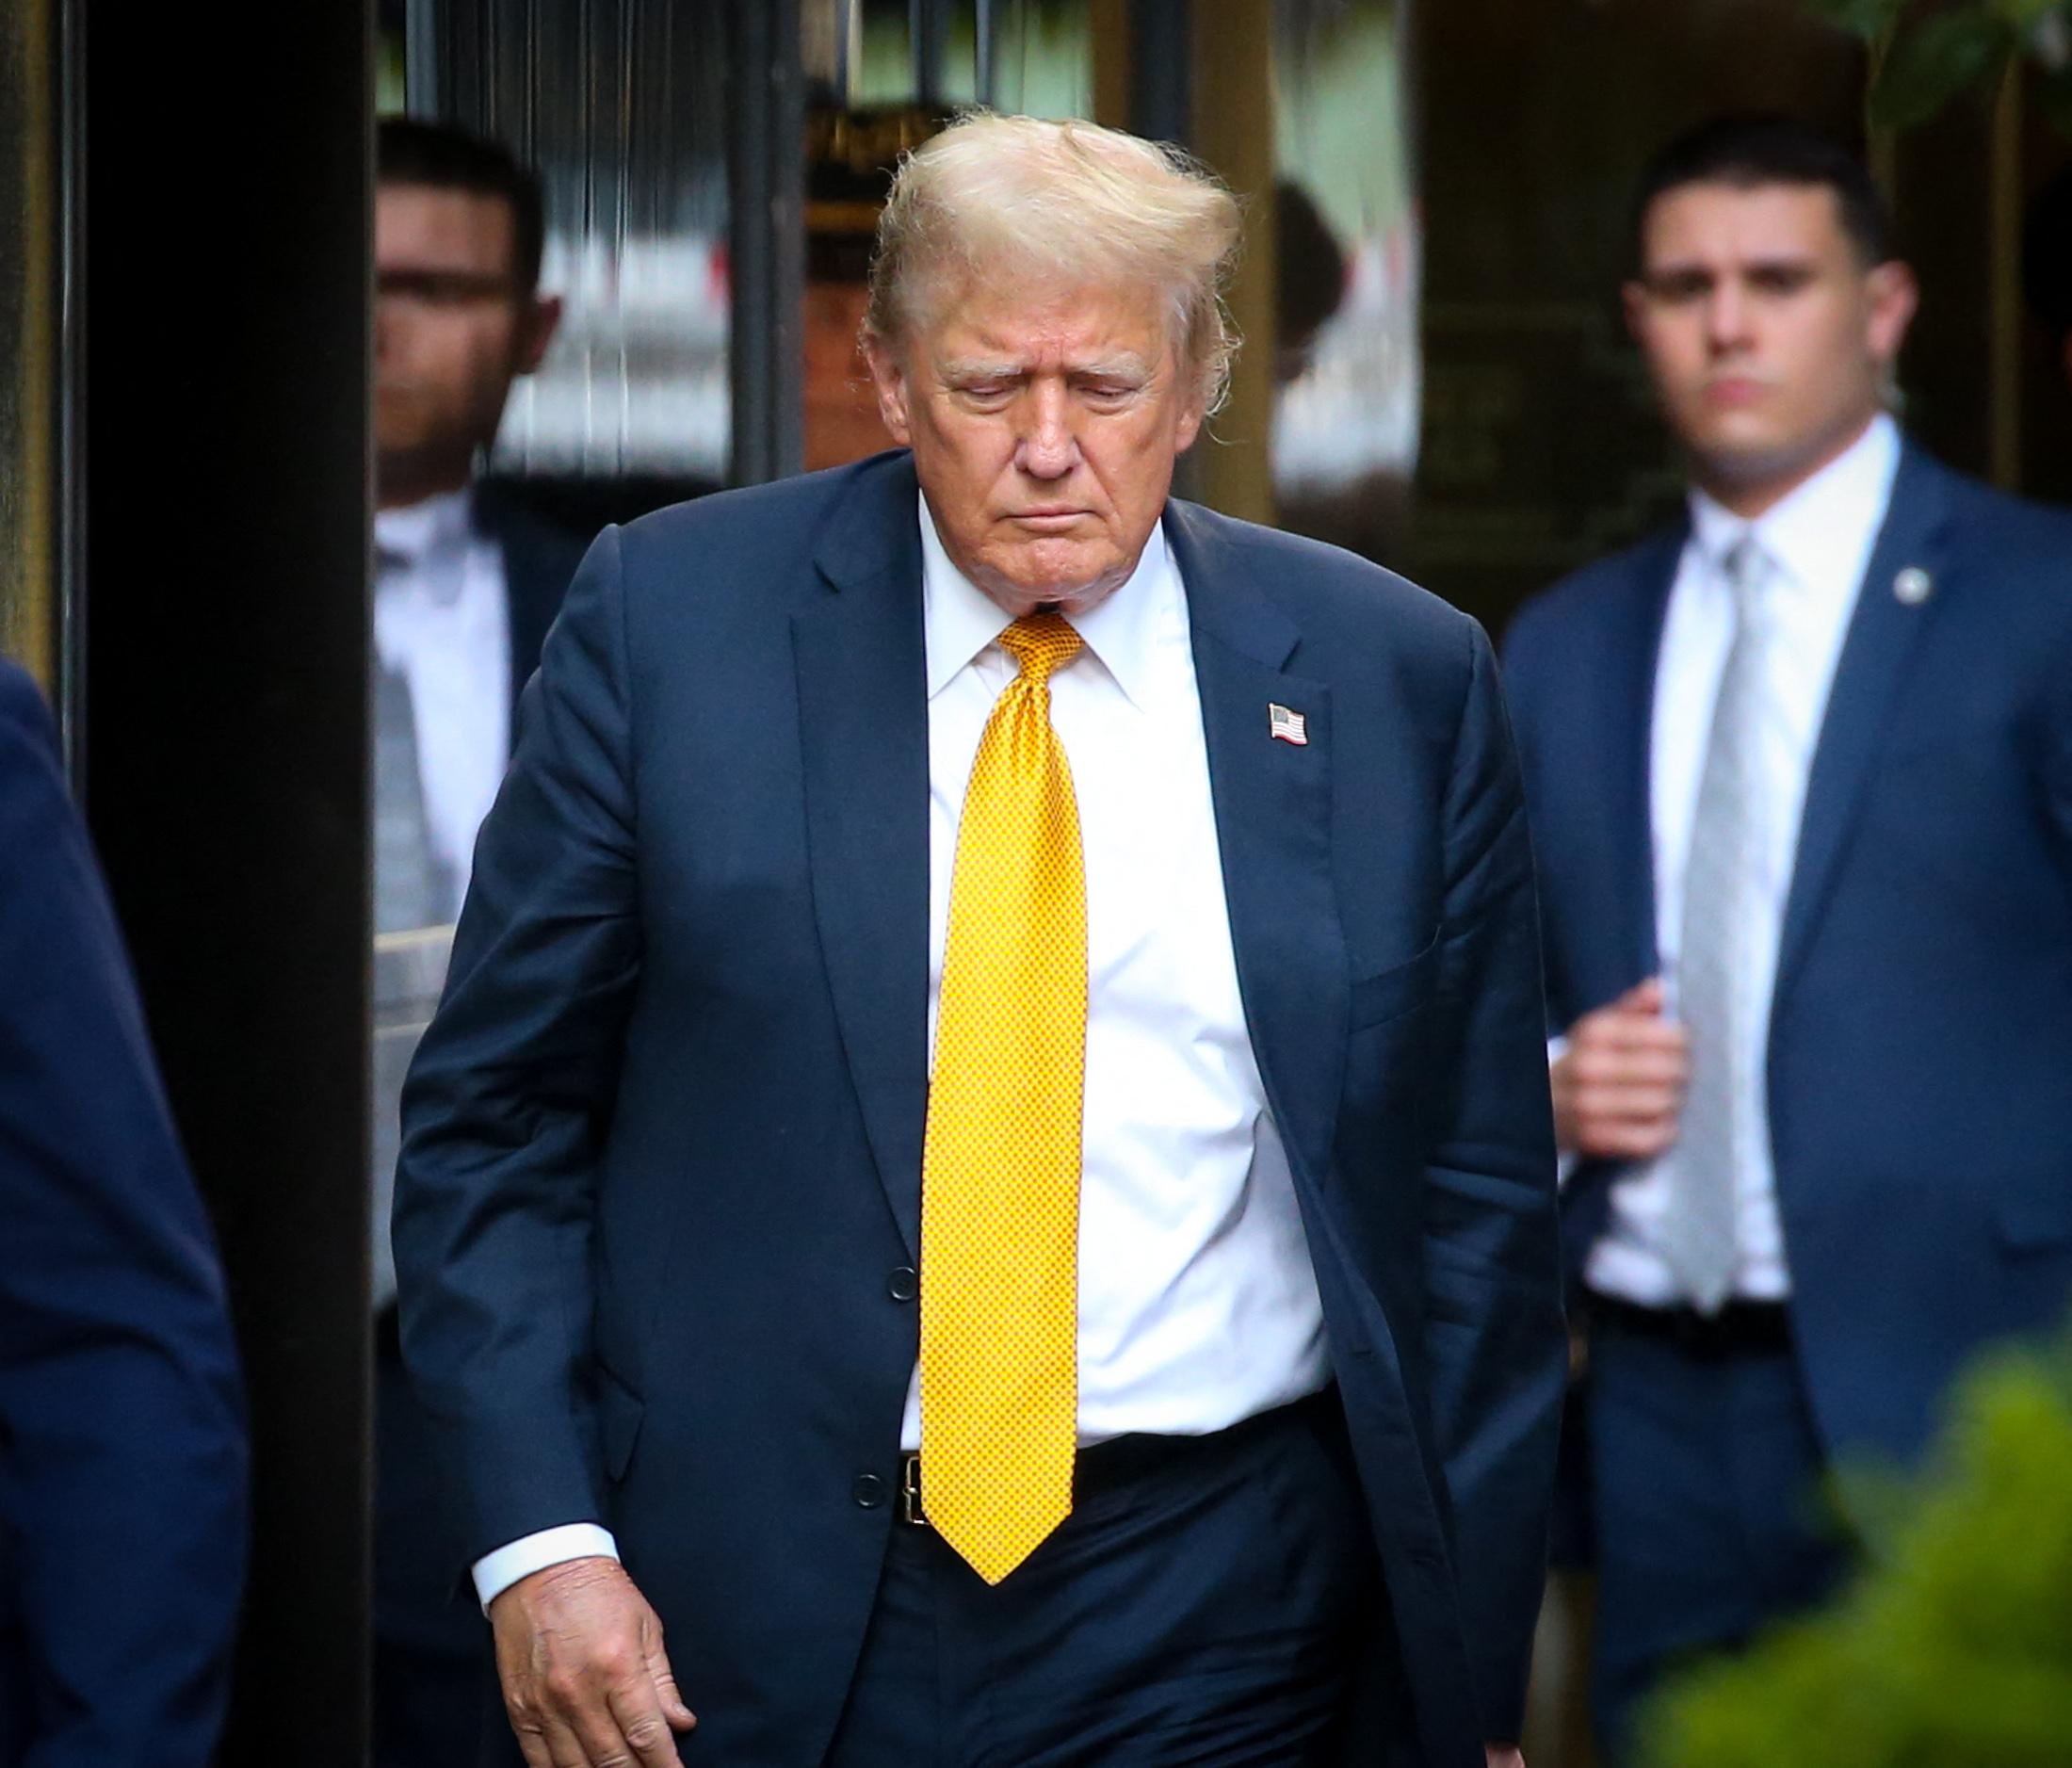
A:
{"x":622,"y":105}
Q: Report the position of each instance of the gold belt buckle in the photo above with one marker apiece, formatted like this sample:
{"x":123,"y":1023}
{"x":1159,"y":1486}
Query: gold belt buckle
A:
{"x":910,"y":1491}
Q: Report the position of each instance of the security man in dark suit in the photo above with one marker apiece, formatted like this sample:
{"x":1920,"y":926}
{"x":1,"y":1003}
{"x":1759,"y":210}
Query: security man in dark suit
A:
{"x":1799,"y":776}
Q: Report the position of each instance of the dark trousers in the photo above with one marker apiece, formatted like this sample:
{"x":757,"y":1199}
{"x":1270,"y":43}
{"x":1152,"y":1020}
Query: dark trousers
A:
{"x":431,"y":1645}
{"x":1209,"y":1602}
{"x":1708,"y":1518}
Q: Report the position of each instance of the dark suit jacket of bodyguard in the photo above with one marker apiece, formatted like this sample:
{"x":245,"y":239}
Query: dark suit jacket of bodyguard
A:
{"x":663,"y":1140}
{"x":123,"y":1458}
{"x":1920,"y":1074}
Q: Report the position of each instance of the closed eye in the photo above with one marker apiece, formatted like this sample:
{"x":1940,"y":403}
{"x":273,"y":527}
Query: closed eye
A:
{"x":1675,"y":287}
{"x":1780,"y":279}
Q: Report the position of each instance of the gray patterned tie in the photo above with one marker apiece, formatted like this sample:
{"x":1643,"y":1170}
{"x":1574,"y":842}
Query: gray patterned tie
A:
{"x":411,"y":888}
{"x":1714,"y":989}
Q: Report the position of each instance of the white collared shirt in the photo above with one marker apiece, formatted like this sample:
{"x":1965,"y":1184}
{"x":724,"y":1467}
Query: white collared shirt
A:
{"x":442,"y":622}
{"x":1198,"y":1303}
{"x":1816,"y":542}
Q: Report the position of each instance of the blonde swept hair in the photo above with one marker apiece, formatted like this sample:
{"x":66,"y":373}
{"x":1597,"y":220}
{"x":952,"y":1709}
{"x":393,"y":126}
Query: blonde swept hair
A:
{"x":1059,"y":205}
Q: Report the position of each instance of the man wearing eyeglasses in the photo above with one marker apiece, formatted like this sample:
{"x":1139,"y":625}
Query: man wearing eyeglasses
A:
{"x":466,"y":584}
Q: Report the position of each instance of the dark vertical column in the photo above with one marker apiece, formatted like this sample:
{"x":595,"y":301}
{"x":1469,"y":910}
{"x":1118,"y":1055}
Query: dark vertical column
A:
{"x":1162,"y":61}
{"x":224,"y":700}
{"x":767,"y":179}
{"x":928,"y":33}
{"x":985,"y":65}
{"x":1162,"y":40}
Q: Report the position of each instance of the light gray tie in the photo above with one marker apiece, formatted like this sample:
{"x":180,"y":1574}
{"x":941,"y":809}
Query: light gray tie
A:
{"x":1715,"y":993}
{"x":410,"y":887}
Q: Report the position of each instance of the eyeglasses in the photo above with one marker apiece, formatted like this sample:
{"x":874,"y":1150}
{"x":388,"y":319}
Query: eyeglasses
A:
{"x":442,"y":288}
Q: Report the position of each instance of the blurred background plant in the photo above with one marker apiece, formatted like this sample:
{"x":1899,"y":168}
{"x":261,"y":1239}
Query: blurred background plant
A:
{"x":1954,"y":1649}
{"x":1924,"y":53}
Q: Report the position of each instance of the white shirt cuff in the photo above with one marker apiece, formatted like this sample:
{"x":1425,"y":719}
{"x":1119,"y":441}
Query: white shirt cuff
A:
{"x":495,"y":1573}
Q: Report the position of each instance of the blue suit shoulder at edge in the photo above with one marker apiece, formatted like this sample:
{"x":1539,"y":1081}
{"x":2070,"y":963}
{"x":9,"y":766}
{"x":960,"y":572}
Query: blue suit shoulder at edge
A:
{"x":2024,"y":536}
{"x":1600,"y":586}
{"x":781,"y":513}
{"x":1314,"y":578}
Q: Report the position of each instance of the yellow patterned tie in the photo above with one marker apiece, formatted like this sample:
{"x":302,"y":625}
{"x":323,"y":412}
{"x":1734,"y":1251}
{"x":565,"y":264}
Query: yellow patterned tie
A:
{"x":1000,"y":1170}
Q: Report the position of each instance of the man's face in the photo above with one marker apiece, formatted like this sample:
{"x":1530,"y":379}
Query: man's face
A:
{"x":1045,"y":426}
{"x":451,"y":329}
{"x":1769,"y":340}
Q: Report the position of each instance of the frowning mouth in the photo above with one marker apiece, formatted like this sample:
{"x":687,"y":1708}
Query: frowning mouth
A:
{"x":1048,"y":516}
{"x":1735,"y":390}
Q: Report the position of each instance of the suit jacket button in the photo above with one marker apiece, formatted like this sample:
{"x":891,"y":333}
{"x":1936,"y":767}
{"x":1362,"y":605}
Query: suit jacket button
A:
{"x":869,"y":1491}
{"x":904,"y":1284}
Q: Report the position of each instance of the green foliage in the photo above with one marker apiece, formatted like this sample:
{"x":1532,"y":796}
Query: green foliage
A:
{"x":1869,"y":19}
{"x":2023,"y":15}
{"x":1924,"y":53}
{"x":1955,"y":1649}
{"x":1934,"y":61}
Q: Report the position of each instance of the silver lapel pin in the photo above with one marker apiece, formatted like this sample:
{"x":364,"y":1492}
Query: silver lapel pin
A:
{"x":1913,"y":586}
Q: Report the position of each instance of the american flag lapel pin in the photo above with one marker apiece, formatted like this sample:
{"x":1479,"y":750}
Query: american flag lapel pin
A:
{"x":1289,"y":727}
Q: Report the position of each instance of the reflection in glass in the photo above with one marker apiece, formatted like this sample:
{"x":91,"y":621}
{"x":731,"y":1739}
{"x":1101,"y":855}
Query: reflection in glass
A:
{"x":1345,"y":423}
{"x":622,"y":105}
{"x":877,"y":90}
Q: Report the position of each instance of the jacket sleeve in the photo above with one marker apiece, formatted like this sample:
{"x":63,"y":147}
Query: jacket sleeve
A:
{"x":509,"y":1096}
{"x":122,"y":1460}
{"x":1496,"y":1343}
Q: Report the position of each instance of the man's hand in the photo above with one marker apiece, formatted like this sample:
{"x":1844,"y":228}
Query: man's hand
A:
{"x":586,"y":1682}
{"x":1620,"y":1084}
{"x":1503,"y":1756}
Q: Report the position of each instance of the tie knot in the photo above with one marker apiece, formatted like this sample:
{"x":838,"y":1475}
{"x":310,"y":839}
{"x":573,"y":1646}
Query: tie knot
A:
{"x":1744,"y":565}
{"x":1040,"y":644}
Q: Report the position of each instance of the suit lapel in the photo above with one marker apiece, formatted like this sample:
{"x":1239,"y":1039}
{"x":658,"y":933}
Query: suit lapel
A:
{"x":860,"y":657}
{"x":537,"y":562}
{"x":1635,"y":648}
{"x":1273,"y":807}
{"x":1883,"y":635}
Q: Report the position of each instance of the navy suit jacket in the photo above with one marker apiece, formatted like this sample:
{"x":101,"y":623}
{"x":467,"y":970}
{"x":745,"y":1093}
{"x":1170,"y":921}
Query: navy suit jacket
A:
{"x":662,"y":1143}
{"x":121,"y":1439}
{"x":1920,"y":1047}
{"x":540,"y":559}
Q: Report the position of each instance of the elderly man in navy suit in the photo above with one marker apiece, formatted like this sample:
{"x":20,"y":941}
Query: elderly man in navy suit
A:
{"x":1799,"y":772}
{"x":986,"y":1158}
{"x":123,"y":1464}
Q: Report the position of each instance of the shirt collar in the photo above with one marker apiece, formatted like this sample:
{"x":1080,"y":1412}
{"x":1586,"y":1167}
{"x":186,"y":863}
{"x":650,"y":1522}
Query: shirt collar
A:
{"x":1820,"y":533}
{"x":1121,"y":630}
{"x":414,"y":533}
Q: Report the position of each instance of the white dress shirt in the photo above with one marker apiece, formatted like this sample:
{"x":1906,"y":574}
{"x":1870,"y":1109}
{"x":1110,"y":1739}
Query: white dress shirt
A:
{"x":1817,"y":543}
{"x":1198,"y":1303}
{"x":442,"y":622}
